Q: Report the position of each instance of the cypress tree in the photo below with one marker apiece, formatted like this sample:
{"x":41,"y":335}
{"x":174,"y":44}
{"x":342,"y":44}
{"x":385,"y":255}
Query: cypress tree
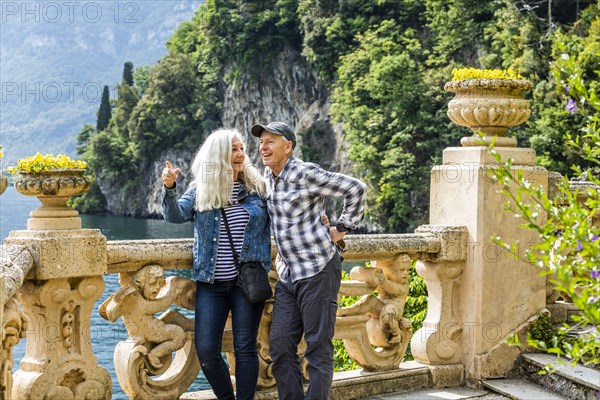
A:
{"x":104,"y":112}
{"x":128,"y":73}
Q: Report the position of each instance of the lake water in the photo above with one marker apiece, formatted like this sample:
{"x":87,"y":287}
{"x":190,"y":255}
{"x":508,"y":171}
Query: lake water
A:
{"x":14,"y":212}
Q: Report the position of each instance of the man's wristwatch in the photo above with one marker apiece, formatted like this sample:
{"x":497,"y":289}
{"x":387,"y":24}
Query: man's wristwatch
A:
{"x":341,"y":227}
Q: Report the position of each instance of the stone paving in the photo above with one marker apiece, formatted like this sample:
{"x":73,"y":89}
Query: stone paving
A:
{"x":441,"y":394}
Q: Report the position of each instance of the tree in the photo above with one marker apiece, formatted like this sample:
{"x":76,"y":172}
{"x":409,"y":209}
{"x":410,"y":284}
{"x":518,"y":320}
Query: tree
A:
{"x":128,"y":73}
{"x":180,"y":106}
{"x":104,"y":112}
{"x":83,"y":138}
{"x":390,"y":120}
{"x":556,"y":116}
{"x":126,"y":101}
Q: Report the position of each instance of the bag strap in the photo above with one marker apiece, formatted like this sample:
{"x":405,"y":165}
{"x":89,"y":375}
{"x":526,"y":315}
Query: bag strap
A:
{"x":236,"y":257}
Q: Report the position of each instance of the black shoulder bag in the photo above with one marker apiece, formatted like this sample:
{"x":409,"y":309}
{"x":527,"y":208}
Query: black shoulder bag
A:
{"x":252,"y":277}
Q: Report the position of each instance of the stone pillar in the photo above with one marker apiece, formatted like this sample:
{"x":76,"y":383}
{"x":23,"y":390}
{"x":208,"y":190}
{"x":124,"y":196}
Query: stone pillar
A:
{"x":58,"y":299}
{"x":491,"y":294}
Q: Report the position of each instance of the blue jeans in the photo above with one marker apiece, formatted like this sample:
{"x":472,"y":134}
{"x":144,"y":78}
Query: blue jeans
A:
{"x":213,"y":303}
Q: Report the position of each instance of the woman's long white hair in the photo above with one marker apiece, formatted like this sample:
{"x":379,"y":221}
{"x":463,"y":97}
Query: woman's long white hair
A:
{"x":213,"y":173}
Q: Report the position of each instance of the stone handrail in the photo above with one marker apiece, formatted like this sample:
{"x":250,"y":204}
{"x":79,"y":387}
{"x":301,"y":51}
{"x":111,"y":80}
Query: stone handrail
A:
{"x":131,"y":255}
{"x":15,"y":263}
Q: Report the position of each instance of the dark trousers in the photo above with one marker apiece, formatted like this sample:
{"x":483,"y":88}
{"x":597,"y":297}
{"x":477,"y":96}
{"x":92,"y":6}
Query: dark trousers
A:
{"x":213,"y":303}
{"x":307,"y":306}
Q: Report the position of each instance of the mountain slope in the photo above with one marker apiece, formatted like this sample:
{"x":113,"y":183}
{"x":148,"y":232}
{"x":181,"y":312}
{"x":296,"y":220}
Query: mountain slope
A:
{"x":56,"y":57}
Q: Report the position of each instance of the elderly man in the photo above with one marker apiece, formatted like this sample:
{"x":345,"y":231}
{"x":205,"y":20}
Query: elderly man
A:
{"x":308,"y":261}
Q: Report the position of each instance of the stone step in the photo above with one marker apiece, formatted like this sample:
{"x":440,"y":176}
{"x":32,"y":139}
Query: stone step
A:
{"x":520,"y":389}
{"x":457,"y":393}
{"x":576,"y":382}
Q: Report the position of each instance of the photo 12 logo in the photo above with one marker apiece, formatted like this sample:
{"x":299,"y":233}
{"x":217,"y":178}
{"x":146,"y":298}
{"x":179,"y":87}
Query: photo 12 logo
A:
{"x":54,"y":92}
{"x":69,"y":11}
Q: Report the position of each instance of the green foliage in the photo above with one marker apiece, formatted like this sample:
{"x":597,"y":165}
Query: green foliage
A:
{"x":244,"y":35}
{"x":104,"y":112}
{"x":415,"y":308}
{"x":416,"y":303}
{"x":570,"y":238}
{"x":453,"y":21}
{"x":516,"y":41}
{"x":140,"y":77}
{"x":543,"y":336}
{"x":554,"y":101}
{"x":110,"y":155}
{"x":388,"y":114}
{"x":127,"y":100}
{"x":542,"y":330}
{"x":91,"y":202}
{"x":178,"y":108}
{"x":83,"y":138}
{"x":331,"y":28}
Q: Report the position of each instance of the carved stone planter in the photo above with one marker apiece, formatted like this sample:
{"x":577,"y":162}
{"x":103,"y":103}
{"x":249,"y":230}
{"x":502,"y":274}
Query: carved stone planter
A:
{"x":489,"y":105}
{"x":53,"y":189}
{"x":3,"y":184}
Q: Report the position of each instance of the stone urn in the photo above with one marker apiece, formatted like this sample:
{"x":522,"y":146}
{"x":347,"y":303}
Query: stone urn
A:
{"x":3,"y":183}
{"x":490,"y":106}
{"x":53,"y":189}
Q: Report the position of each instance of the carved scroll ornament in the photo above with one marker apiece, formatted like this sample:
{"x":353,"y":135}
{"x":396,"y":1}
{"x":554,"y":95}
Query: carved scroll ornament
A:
{"x":148,"y":352}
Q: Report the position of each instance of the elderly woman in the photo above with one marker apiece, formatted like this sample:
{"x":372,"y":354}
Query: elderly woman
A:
{"x":224,"y":181}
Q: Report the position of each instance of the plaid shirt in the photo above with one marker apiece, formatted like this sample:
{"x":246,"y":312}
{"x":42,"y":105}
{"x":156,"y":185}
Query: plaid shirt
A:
{"x":296,"y":203}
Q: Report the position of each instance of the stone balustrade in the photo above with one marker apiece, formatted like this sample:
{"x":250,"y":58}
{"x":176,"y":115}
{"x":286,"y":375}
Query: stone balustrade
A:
{"x":373,"y":329}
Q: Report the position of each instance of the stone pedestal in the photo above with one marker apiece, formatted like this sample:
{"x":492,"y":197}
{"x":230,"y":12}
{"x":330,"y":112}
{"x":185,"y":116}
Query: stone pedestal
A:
{"x":492,"y":293}
{"x":58,"y":299}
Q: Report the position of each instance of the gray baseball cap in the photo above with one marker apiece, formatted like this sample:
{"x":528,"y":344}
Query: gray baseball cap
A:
{"x":278,"y":128}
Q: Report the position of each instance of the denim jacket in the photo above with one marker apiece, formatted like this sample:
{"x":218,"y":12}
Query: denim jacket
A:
{"x":257,"y":239}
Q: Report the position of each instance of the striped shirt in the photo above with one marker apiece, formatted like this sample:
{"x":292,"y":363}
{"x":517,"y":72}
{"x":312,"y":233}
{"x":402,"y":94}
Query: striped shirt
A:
{"x":238,"y":218}
{"x":296,"y":203}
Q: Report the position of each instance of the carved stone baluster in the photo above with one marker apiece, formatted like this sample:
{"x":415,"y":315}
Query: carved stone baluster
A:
{"x":377,"y":321}
{"x":162,"y":346}
{"x":438,"y":341}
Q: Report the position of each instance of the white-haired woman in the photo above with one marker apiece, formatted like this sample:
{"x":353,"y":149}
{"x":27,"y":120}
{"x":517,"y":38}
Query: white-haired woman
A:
{"x":223,"y":179}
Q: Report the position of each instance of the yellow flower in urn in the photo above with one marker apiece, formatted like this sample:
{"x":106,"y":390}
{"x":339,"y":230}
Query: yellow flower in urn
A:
{"x":52,"y":179}
{"x":463,"y":74}
{"x":488,"y":101}
{"x":48,"y":162}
